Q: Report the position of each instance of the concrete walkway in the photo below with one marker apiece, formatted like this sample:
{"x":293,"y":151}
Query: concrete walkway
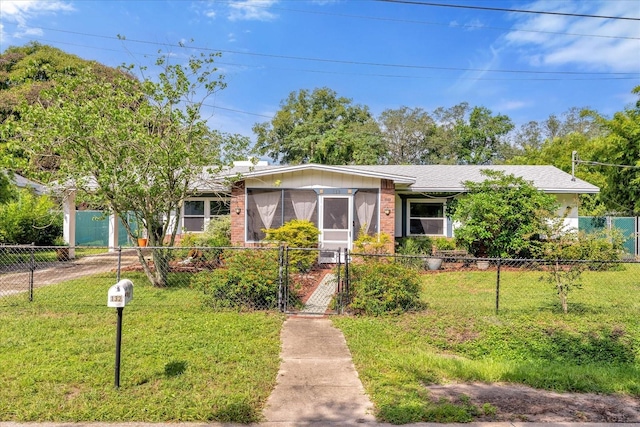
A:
{"x":317,"y":383}
{"x":320,"y":299}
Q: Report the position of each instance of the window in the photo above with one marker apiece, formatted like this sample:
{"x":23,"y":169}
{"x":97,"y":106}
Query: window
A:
{"x":197,"y":213}
{"x":426,"y":218}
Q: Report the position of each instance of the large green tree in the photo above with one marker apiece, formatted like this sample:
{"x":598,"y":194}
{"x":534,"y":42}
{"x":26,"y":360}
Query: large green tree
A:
{"x":25,"y":71}
{"x":138,"y":145}
{"x":409,"y":135}
{"x":502,"y":215}
{"x":320,"y":127}
{"x":474,"y":135}
{"x":619,"y":158}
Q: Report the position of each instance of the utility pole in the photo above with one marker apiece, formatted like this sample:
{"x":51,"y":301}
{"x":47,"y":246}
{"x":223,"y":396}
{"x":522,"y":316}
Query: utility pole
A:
{"x":574,"y":155}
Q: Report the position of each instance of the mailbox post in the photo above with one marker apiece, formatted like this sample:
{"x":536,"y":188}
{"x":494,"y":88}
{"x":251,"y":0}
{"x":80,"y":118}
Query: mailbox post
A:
{"x":119,"y":296}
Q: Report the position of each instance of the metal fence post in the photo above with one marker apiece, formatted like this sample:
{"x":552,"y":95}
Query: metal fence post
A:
{"x":498,"y":286}
{"x":119,"y":263}
{"x":347,"y":279}
{"x":286,"y":279}
{"x":339,"y":288}
{"x":280,"y":278}
{"x":32,"y":267}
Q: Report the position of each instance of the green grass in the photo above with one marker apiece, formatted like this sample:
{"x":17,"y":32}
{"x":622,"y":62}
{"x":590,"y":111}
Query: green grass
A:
{"x":460,"y":338}
{"x":180,"y":361}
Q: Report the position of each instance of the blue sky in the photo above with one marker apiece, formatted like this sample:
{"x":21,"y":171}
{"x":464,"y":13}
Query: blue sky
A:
{"x":381,"y":54}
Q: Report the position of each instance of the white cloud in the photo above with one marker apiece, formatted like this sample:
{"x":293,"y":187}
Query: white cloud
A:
{"x":251,"y":10}
{"x":509,"y":105}
{"x":20,"y":12}
{"x":613,"y":53}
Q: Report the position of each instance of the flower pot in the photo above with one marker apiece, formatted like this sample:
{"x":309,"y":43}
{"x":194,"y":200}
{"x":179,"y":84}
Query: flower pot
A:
{"x":482,"y":265}
{"x":434,"y":263}
{"x":142,"y":242}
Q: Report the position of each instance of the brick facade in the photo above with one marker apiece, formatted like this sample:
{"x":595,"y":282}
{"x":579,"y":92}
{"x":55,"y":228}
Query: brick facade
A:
{"x":387,"y":203}
{"x":238,"y":201}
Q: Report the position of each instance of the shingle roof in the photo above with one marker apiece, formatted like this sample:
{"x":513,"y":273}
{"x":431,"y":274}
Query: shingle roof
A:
{"x":451,"y":177}
{"x":442,"y":178}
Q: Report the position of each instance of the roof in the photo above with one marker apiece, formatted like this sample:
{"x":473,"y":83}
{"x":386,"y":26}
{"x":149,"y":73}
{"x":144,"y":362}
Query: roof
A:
{"x":22,"y":182}
{"x":438,"y":178}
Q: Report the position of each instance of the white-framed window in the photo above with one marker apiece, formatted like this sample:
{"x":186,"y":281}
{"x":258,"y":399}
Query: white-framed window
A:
{"x":426,"y":217}
{"x":197,"y":212}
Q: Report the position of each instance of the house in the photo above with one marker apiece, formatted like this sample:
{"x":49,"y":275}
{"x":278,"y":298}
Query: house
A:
{"x":398,"y":200}
{"x":343,"y":200}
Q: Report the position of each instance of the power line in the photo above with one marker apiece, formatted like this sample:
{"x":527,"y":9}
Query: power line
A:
{"x":339,"y":61}
{"x":502,"y":9}
{"x":397,"y":76}
{"x":449,"y":25}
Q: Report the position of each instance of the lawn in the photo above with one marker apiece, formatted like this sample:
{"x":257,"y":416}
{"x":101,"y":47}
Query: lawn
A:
{"x":460,"y":338}
{"x":180,"y":360}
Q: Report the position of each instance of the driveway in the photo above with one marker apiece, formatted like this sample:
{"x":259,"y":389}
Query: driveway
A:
{"x":51,"y":273}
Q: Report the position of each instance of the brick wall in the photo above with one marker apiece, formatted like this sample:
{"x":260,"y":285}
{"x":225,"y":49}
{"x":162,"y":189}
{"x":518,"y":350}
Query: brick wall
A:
{"x":238,"y":200}
{"x":387,"y":201}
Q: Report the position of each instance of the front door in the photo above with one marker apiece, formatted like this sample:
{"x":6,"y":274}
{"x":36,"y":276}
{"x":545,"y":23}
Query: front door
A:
{"x":335,"y":225}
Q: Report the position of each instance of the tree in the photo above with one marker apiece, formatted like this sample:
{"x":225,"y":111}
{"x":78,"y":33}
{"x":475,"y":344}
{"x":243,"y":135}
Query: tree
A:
{"x":475,"y":136}
{"x":137,"y":145}
{"x":408,"y":134}
{"x":621,"y":151}
{"x":502,"y":216}
{"x":320,"y":127}
{"x":481,"y":140}
{"x":25,"y":71}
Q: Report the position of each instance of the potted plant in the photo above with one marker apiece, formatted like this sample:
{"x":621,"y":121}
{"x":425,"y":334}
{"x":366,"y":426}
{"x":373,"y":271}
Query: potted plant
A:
{"x":438,"y":245}
{"x":141,"y":237}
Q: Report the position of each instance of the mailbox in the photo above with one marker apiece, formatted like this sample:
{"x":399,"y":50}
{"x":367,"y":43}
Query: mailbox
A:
{"x":120,"y":294}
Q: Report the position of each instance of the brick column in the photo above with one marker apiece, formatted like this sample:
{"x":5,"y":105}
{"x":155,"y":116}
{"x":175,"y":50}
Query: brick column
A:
{"x":387,"y":202}
{"x":238,"y":201}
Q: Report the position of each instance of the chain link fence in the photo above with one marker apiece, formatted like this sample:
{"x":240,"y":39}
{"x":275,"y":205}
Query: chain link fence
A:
{"x":304,"y":281}
{"x":463,"y":284}
{"x":232,"y":278}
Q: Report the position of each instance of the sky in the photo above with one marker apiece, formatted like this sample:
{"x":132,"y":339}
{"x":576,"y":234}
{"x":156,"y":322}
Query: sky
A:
{"x":383,"y":54}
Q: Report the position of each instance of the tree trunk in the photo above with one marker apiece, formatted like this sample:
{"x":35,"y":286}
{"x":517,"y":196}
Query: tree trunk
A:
{"x":161,"y":264}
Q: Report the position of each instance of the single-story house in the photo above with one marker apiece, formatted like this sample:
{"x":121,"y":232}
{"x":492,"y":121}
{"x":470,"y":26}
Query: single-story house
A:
{"x":398,"y":200}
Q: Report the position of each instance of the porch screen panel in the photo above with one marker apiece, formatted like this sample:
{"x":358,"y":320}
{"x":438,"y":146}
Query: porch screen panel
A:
{"x":301,"y":204}
{"x":366,"y":211}
{"x":264,"y":210}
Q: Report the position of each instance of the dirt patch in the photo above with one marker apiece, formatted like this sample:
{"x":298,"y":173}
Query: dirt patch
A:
{"x":522,"y":403}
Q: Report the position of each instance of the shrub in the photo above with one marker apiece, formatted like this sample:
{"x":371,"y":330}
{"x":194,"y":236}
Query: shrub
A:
{"x":598,"y":246}
{"x":415,"y":246}
{"x":297,"y":233}
{"x":379,"y":287}
{"x":216,"y":235}
{"x":372,"y":244}
{"x":249,"y":280}
{"x":30,"y":219}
